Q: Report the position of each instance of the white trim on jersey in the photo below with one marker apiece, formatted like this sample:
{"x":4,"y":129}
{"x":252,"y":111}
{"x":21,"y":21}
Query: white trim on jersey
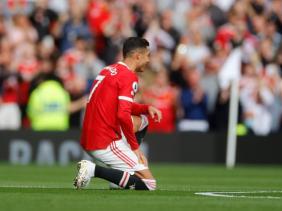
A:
{"x":125,"y":98}
{"x":122,"y":63}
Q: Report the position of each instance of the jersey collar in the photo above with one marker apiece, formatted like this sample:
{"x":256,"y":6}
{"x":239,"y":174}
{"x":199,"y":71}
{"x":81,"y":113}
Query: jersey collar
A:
{"x":122,"y":63}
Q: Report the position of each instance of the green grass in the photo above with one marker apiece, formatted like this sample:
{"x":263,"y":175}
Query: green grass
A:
{"x":50,"y":188}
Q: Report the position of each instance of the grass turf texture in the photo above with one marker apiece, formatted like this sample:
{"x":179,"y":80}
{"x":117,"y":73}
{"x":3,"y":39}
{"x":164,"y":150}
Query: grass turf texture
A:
{"x":50,"y":188}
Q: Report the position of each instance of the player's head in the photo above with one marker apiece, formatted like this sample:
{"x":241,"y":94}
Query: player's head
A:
{"x":136,"y":48}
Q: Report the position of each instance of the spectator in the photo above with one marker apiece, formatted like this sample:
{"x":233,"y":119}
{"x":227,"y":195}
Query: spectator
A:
{"x":75,"y":27}
{"x":2,"y":26}
{"x":161,"y":95}
{"x":210,"y":84}
{"x":83,"y":36}
{"x":10,"y":115}
{"x":21,"y":31}
{"x":272,"y":80}
{"x":49,"y":105}
{"x":256,"y":98}
{"x":193,"y":102}
{"x":43,"y":19}
{"x":166,"y":24}
{"x":276,"y":14}
{"x":192,"y":51}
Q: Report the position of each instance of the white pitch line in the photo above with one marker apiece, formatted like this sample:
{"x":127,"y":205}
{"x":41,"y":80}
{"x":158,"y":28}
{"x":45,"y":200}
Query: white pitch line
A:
{"x":230,"y":194}
{"x":29,"y":186}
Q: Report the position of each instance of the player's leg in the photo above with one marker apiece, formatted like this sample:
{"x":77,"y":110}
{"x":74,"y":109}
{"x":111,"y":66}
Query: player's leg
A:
{"x":124,"y":179}
{"x":125,"y":171}
{"x":121,"y":157}
{"x":140,"y":126}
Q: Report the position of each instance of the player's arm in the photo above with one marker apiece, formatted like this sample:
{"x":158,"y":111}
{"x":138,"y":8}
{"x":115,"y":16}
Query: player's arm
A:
{"x":124,"y":117}
{"x":126,"y":107}
{"x":138,"y":109}
{"x":131,"y":124}
{"x":137,"y":122}
{"x":127,"y":87}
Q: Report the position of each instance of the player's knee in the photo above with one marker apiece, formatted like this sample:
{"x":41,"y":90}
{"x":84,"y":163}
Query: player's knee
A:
{"x":144,"y":122}
{"x":151,"y":184}
{"x":139,"y":122}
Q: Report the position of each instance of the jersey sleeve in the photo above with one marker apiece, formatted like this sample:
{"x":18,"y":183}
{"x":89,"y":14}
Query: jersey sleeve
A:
{"x":126,"y":108}
{"x":128,"y":89}
{"x":128,"y":86}
{"x":125,"y":121}
{"x":138,"y":109}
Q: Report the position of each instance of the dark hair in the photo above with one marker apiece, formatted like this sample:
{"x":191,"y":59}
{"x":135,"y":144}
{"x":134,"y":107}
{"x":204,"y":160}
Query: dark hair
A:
{"x":133,"y":43}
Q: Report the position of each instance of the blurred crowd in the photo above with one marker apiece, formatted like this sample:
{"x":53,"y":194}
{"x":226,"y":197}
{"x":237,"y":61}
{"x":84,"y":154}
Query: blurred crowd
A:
{"x":51,"y":51}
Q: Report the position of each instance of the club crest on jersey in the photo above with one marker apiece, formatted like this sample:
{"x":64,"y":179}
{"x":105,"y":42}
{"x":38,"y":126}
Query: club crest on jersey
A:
{"x":135,"y":88}
{"x":112,"y":70}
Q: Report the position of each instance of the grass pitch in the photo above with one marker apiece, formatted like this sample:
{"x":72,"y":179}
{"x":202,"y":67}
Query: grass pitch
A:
{"x":50,"y":188}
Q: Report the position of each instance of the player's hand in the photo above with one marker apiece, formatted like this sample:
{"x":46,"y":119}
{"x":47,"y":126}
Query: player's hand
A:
{"x":155,"y":113}
{"x":141,"y":157}
{"x":138,"y":154}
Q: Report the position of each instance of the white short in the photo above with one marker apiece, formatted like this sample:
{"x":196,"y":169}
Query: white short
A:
{"x":118,"y":155}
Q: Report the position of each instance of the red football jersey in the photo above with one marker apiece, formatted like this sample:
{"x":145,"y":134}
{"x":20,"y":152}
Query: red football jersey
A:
{"x":109,"y":108}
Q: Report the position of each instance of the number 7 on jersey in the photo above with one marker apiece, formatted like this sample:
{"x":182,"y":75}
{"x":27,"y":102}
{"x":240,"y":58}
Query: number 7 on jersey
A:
{"x":99,"y":79}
